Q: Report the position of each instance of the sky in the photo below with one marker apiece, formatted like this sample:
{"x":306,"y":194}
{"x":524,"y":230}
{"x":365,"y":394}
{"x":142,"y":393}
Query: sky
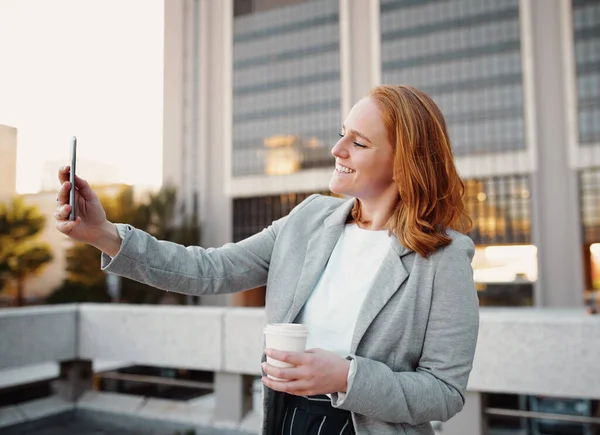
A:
{"x":86,"y":68}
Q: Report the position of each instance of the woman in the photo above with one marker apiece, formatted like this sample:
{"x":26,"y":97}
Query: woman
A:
{"x":383,"y":281}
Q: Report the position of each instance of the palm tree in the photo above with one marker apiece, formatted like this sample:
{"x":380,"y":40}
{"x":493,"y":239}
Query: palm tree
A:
{"x":21,"y":255}
{"x":157,"y":216}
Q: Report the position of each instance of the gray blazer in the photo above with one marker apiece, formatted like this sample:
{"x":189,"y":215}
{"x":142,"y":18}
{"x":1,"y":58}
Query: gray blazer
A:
{"x":415,"y":336}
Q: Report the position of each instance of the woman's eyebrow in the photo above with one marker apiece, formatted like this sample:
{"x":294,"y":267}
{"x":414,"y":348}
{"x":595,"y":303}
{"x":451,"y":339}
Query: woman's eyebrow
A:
{"x":358,"y":133}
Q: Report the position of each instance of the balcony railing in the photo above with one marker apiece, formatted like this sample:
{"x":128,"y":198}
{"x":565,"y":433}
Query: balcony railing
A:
{"x":545,"y":352}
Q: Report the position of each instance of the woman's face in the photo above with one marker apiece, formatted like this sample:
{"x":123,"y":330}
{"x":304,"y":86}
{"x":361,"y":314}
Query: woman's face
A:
{"x":363,"y":155}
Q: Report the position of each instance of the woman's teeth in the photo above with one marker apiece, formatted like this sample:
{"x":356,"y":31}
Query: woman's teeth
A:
{"x":344,"y":169}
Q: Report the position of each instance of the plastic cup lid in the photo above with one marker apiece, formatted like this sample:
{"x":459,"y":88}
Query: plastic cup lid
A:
{"x":286,"y":329}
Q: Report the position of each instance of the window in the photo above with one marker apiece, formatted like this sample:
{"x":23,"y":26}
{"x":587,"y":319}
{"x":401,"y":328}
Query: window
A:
{"x":252,"y":215}
{"x":286,"y":87}
{"x":508,"y":414}
{"x":466,"y":55}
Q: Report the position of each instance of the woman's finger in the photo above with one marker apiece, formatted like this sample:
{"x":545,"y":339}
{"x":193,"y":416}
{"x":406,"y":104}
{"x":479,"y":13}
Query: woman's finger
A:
{"x":63,"y":174}
{"x":85,"y":190}
{"x":292,"y":387}
{"x":82,"y":186}
{"x":62,"y":212}
{"x":63,"y":193}
{"x":285,"y":373}
{"x":295,"y":358}
{"x":66,"y":227}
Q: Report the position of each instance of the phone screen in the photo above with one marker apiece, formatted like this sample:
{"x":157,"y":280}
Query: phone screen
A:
{"x":72,"y":178}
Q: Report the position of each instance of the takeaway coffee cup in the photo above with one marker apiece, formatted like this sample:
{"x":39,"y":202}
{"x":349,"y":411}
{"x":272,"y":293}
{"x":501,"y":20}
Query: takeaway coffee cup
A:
{"x":285,"y":336}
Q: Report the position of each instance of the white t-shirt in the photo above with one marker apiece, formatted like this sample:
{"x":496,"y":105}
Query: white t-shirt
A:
{"x":331,"y":311}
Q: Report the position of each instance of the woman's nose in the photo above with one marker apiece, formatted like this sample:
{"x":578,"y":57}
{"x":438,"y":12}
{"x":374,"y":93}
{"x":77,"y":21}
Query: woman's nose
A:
{"x":339,"y":150}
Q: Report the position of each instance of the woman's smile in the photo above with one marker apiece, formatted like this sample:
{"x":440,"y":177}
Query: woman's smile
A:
{"x":343,"y":169}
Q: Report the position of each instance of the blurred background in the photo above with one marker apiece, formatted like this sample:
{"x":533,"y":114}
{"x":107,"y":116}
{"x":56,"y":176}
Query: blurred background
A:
{"x":202,"y":121}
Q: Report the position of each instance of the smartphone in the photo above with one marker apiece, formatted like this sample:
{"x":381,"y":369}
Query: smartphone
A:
{"x":72,"y":178}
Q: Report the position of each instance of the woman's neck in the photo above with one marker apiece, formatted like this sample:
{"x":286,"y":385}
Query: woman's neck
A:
{"x":375,"y":213}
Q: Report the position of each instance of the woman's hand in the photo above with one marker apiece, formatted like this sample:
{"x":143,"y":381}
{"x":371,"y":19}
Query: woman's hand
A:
{"x":316,"y":371}
{"x":90,"y":225}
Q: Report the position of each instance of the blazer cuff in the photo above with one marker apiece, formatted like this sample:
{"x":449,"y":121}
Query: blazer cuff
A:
{"x":337,"y":399}
{"x":123,"y":230}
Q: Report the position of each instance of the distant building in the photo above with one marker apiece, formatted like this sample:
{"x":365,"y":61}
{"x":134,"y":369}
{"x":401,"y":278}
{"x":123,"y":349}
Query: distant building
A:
{"x":249,"y":135}
{"x":94,"y":172}
{"x":8,"y":161}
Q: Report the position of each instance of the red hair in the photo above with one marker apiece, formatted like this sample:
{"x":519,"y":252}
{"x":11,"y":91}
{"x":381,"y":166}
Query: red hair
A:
{"x":431,"y":193}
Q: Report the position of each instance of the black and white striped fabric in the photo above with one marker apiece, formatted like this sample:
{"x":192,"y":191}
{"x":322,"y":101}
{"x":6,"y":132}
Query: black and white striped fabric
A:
{"x":314,"y":415}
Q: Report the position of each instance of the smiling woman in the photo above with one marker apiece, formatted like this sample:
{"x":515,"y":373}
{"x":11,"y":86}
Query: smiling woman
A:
{"x":363,"y":167}
{"x":421,"y":192}
{"x":383,"y":282}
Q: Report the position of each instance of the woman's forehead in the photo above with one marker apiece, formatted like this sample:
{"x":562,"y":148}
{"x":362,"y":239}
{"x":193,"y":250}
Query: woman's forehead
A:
{"x":365,"y":118}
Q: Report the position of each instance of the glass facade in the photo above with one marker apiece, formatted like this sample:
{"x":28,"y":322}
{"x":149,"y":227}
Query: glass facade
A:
{"x":505,"y":263}
{"x":466,"y":55}
{"x":586,"y":36}
{"x":512,"y":414}
{"x":500,"y":209}
{"x":252,"y":215}
{"x":589,"y":180}
{"x":286,"y":88}
{"x":586,"y":27}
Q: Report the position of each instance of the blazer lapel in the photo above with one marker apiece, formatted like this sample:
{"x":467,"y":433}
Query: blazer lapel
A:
{"x":317,"y":255}
{"x":390,"y":276}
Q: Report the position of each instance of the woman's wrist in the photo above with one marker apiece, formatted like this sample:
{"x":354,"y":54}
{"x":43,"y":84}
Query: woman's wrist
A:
{"x":108,"y":239}
{"x":344,"y":377}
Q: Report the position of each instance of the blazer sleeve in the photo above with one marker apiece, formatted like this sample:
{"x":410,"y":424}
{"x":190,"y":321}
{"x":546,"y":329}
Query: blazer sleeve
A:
{"x":194,"y":270}
{"x":435,"y":391}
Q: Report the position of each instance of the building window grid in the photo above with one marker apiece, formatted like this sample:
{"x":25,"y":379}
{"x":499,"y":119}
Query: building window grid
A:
{"x":586,"y":28}
{"x":589,"y":184}
{"x":286,"y":94}
{"x":500,"y":209}
{"x":252,"y":215}
{"x":466,"y":55}
{"x":586,"y":35}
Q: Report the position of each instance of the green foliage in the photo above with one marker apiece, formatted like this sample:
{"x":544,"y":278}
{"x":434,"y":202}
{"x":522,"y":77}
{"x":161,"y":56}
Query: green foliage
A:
{"x":21,"y":255}
{"x":70,"y":292}
{"x":156,"y":216}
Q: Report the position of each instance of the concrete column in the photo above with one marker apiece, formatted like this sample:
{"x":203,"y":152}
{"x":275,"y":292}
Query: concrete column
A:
{"x":360,"y":50}
{"x":234,"y":396}
{"x":197,"y":109}
{"x":172,"y":92}
{"x":215,"y":121}
{"x":556,"y":225}
{"x":214,"y":126}
{"x":469,"y":421}
{"x":74,"y":379}
{"x":197,"y":114}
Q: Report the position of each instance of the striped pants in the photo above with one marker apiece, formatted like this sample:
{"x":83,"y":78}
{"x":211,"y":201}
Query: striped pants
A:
{"x":314,"y":415}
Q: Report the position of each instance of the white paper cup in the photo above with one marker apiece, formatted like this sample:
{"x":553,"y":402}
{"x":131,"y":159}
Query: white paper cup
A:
{"x":285,"y":336}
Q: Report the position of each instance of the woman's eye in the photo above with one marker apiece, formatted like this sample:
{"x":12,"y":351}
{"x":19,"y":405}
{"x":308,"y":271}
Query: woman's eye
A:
{"x":356,"y":144}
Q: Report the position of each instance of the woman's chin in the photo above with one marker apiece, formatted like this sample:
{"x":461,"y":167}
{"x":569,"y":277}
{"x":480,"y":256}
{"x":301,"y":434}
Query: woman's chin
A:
{"x":336,"y":187}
